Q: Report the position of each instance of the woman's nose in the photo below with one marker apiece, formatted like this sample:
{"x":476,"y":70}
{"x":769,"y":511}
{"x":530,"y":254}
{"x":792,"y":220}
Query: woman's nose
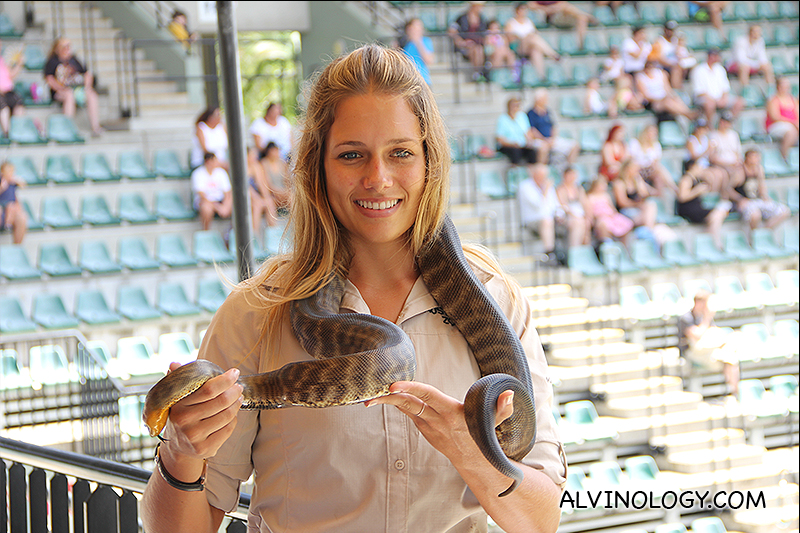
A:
{"x":377,"y":176}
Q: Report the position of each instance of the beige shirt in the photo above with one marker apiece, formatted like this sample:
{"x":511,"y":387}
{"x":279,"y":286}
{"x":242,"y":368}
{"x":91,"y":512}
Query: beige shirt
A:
{"x":353,"y":469}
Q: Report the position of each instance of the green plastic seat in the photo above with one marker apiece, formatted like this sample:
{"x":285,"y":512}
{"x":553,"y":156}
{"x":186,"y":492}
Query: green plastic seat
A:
{"x":167,"y":164}
{"x":133,"y":304}
{"x":693,"y":286}
{"x":641,"y":468}
{"x":627,"y":15}
{"x":59,"y":168}
{"x":791,"y":239}
{"x":135,"y":355}
{"x":774,"y":164}
{"x":171,"y":251}
{"x":209,"y":247}
{"x":645,"y":255}
{"x":753,"y":97}
{"x":172,"y":300}
{"x":615,"y":258}
{"x":755,"y":400}
{"x":581,"y":74}
{"x":95,"y":167}
{"x":491,"y":184}
{"x":786,"y":334}
{"x":133,"y":209}
{"x":61,"y":129}
{"x":555,"y":75}
{"x":23,"y":130}
{"x":706,"y":251}
{"x":7,"y":28}
{"x":590,"y":140}
{"x":132,"y":166}
{"x":130,"y":419}
{"x":787,"y":282}
{"x":529,"y":76}
{"x":594,"y":43}
{"x":57,"y":213}
{"x":667,"y":296}
{"x":571,"y":107}
{"x":670,"y":135}
{"x":49,"y":312}
{"x":606,"y":473}
{"x":95,"y":258}
{"x":11,"y":377}
{"x":730,"y":294}
{"x":92,"y":308}
{"x":12,"y":319}
{"x":584,"y":260}
{"x":133,"y":254}
{"x":676,"y":253}
{"x":784,"y":385}
{"x":26,"y":170}
{"x":636,"y":304}
{"x":605,"y":17}
{"x":95,"y":211}
{"x":14,"y":263}
{"x":34,"y":223}
{"x":177,"y":346}
{"x":672,"y":528}
{"x":55,"y":261}
{"x":34,"y":58}
{"x":764,"y":243}
{"x":752,"y":129}
{"x":760,"y":286}
{"x":568,"y":44}
{"x":736,"y":246}
{"x":49,"y":365}
{"x":100,"y":351}
{"x":766,"y":10}
{"x":210,"y":294}
{"x":170,"y":206}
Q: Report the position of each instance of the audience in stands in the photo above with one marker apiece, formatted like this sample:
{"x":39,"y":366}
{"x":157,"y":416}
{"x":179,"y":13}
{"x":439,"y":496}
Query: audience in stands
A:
{"x":708,"y":12}
{"x":262,"y":201}
{"x":613,"y":152}
{"x":750,"y":198}
{"x":210,"y":135}
{"x":572,"y":197}
{"x":625,"y":98}
{"x":273,"y":127}
{"x":635,"y":51}
{"x":634,"y":198}
{"x":665,"y":54}
{"x":711,"y":89}
{"x":12,"y":214}
{"x":10,"y":100}
{"x":419,"y":47}
{"x":179,"y":29}
{"x":71,"y":83}
{"x":467,"y":32}
{"x":613,"y":67}
{"x":692,"y":189}
{"x":686,"y":58}
{"x":498,"y":49}
{"x":727,"y":153}
{"x":525,"y":41}
{"x":212,"y":190}
{"x":652,"y":83}
{"x":565,"y":15}
{"x":606,"y":222}
{"x":702,"y":344}
{"x":646,"y":152}
{"x":513,"y":134}
{"x":782,"y":116}
{"x":539,"y":207}
{"x":699,"y":147}
{"x":594,"y":103}
{"x":550,"y":148}
{"x":277,"y":174}
{"x":750,"y":57}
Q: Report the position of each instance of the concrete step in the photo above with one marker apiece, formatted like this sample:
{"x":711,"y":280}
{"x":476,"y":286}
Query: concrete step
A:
{"x":558,"y":306}
{"x":581,"y":355}
{"x":638,"y":387}
{"x":580,"y":378}
{"x":583,"y":338}
{"x":735,"y":456}
{"x":595,"y":317}
{"x":769,"y":520}
{"x":636,"y":406}
{"x":560,"y":290}
{"x":699,"y":440}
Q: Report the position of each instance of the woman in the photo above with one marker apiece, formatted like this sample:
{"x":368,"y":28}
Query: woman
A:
{"x":526,"y":41}
{"x":607,"y":223}
{"x":12,"y":214}
{"x":277,"y":174}
{"x":71,"y":83}
{"x":653,"y":84}
{"x":633,"y":196}
{"x":782,"y":116}
{"x":689,"y":202}
{"x":513,"y":134}
{"x":613,"y":152}
{"x":371,"y":183}
{"x":751,"y":199}
{"x":699,"y":147}
{"x":273,"y":127}
{"x":646,"y":152}
{"x":10,"y":100}
{"x":210,"y":136}
{"x":573,"y":200}
{"x":419,"y":47}
{"x":262,"y":201}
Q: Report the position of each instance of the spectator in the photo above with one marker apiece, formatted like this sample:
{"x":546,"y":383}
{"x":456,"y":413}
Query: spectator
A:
{"x":277,"y":174}
{"x":262,"y":201}
{"x":750,"y":57}
{"x":635,"y":50}
{"x":607,"y":223}
{"x":179,"y":29}
{"x":545,"y":134}
{"x":708,"y":12}
{"x":750,"y":196}
{"x":526,"y":41}
{"x":539,"y":207}
{"x":273,"y":126}
{"x":711,"y":89}
{"x":12,"y":214}
{"x":595,"y":104}
{"x":210,"y":135}
{"x":513,"y":134}
{"x":565,"y":15}
{"x":573,"y":201}
{"x":686,"y":59}
{"x":660,"y":98}
{"x":497,"y":47}
{"x":633,"y":197}
{"x":467,"y":32}
{"x":625,"y":97}
{"x":419,"y":47}
{"x":613,"y":152}
{"x":10,"y":101}
{"x":699,"y":147}
{"x":702,"y":344}
{"x":727,"y":153}
{"x":646,"y":152}
{"x":212,"y":190}
{"x":689,"y":202}
{"x":782,"y":116}
{"x":665,"y":53}
{"x":71,"y":83}
{"x":613,"y":66}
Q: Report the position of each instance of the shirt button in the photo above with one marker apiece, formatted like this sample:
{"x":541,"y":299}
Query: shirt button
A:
{"x":399,"y":464}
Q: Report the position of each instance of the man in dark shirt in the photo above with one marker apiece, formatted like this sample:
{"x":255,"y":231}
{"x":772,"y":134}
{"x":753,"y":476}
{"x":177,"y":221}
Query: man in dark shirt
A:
{"x":71,"y":83}
{"x":546,"y":139}
{"x":467,"y":32}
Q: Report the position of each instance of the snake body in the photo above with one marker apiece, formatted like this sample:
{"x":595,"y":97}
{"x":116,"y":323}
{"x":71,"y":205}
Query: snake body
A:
{"x":358,"y":356}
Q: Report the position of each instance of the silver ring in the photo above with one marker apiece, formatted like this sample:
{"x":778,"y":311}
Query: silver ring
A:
{"x":421,"y":410}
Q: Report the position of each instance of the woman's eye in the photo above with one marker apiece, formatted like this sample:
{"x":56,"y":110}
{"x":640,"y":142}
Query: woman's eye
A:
{"x":349,"y":156}
{"x":402,"y":153}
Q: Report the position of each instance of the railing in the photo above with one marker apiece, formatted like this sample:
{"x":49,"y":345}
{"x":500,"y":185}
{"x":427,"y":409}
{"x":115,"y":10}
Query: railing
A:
{"x":57,"y":19}
{"x":88,"y":36}
{"x":160,"y":12}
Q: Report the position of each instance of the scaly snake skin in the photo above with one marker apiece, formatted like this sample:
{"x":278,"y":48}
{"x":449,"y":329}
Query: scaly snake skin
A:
{"x":358,"y":356}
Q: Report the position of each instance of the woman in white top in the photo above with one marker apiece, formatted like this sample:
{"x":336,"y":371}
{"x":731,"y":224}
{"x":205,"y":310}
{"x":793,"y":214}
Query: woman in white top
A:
{"x":699,"y":148}
{"x":654,"y":85}
{"x":273,"y":126}
{"x":210,"y":136}
{"x":526,"y":41}
{"x":645,"y":151}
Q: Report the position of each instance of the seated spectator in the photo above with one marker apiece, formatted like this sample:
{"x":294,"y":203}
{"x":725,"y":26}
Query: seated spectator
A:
{"x":782,"y":116}
{"x":633,"y":197}
{"x":467,"y":32}
{"x":699,"y":148}
{"x":210,"y":135}
{"x":613,"y":152}
{"x":513,"y":134}
{"x":689,"y":202}
{"x":595,"y":104}
{"x":12,"y":214}
{"x":607,"y":223}
{"x":646,"y":152}
{"x":539,"y":207}
{"x":727,"y":153}
{"x":545,"y":134}
{"x":525,"y":41}
{"x":212,"y":190}
{"x":10,"y":101}
{"x":565,"y":15}
{"x":179,"y":29}
{"x":750,"y":57}
{"x":419,"y":47}
{"x":708,"y":12}
{"x":711,"y":89}
{"x":652,"y":83}
{"x":625,"y":97}
{"x":750,"y":197}
{"x":612,"y":67}
{"x":71,"y":83}
{"x":262,"y":201}
{"x":573,"y":201}
{"x":273,"y":127}
{"x":276,"y":173}
{"x":665,"y":54}
{"x":702,"y":344}
{"x":635,"y":50}
{"x":497,"y":47}
{"x":686,"y":58}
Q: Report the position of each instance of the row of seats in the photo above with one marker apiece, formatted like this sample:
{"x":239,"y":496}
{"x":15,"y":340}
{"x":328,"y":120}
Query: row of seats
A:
{"x":780,"y":400}
{"x":95,"y":167}
{"x":92,"y":308}
{"x":60,"y":129}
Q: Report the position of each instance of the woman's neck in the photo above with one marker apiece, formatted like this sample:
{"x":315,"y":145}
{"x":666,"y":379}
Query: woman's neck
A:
{"x":384,"y":276}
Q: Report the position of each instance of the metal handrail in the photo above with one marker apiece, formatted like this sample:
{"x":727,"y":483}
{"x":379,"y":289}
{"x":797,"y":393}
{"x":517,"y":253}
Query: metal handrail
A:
{"x":88,"y":35}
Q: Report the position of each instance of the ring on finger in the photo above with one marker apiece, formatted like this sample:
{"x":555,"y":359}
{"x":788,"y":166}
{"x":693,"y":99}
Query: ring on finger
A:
{"x":422,"y":410}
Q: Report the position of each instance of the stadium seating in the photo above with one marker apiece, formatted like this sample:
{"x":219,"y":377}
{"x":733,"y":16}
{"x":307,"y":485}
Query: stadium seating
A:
{"x":95,"y":211}
{"x":95,"y":258}
{"x":60,"y":169}
{"x":61,"y":129}
{"x":171,"y":251}
{"x":14,"y":263}
{"x":132,"y":209}
{"x":133,"y":254}
{"x":12,"y":319}
{"x":95,"y":167}
{"x":92,"y":308}
{"x":49,"y":312}
{"x":55,"y":261}
{"x":133,"y":304}
{"x":172,"y":300}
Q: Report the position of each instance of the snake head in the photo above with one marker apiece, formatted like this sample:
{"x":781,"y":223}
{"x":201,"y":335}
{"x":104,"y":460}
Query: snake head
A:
{"x":155,"y":421}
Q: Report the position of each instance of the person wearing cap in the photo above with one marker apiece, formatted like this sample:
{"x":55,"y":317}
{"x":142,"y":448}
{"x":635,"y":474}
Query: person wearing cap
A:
{"x":727,"y":153}
{"x":665,"y":54}
{"x":711,"y":89}
{"x":467,"y":32}
{"x":750,"y":57}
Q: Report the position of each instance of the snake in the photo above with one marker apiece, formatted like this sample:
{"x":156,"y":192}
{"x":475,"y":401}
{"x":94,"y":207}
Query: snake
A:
{"x":357,"y":356}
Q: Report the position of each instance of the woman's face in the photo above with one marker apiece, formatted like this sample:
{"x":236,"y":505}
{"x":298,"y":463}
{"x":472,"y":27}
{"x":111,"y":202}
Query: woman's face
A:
{"x":214,"y":118}
{"x":619,"y":135}
{"x":64,"y":50}
{"x":375,"y":167}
